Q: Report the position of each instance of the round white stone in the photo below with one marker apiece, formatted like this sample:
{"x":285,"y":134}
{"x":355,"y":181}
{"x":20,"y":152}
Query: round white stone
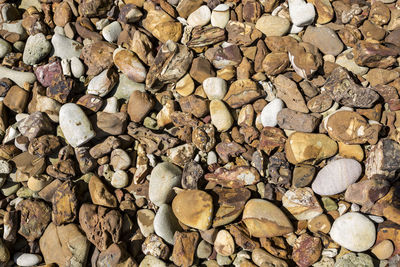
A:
{"x":27,"y":259}
{"x":111,"y":105}
{"x":75,"y":125}
{"x":220,"y":16}
{"x":301,"y":13}
{"x":269,"y":114}
{"x":112,"y":31}
{"x":353,"y":231}
{"x":119,"y":179}
{"x":5,"y":48}
{"x":163,"y":178}
{"x":200,"y":16}
{"x":215,"y":88}
{"x":77,"y":67}
{"x":166,"y":224}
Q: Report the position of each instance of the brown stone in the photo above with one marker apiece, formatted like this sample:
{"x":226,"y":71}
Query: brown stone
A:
{"x":65,"y":204}
{"x":186,"y":7}
{"x":30,"y":164}
{"x":306,"y":250}
{"x":98,"y":56}
{"x":155,"y":246}
{"x":191,"y":174}
{"x":62,"y":14}
{"x":242,"y":237}
{"x":91,"y":8}
{"x":201,"y":69}
{"x":242,"y":33}
{"x":128,"y":63}
{"x":236,"y":177}
{"x":379,"y":13}
{"x":374,"y":55}
{"x":43,"y":145}
{"x":287,"y":91}
{"x":16,"y":99}
{"x":320,"y":223}
{"x":139,"y":105}
{"x":372,"y":31}
{"x":203,"y":137}
{"x":91,"y":102}
{"x":305,"y":59}
{"x":184,"y":248}
{"x":293,"y":120}
{"x":105,"y":123}
{"x":271,"y":139}
{"x":227,"y":150}
{"x":35,"y":216}
{"x":319,"y":103}
{"x":100,"y":194}
{"x":350,"y":35}
{"x":195,"y":105}
{"x":381,"y":161}
{"x":115,"y":255}
{"x":275,"y":63}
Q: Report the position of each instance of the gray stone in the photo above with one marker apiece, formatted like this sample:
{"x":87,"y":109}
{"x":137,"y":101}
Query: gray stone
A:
{"x":5,"y":48}
{"x":65,"y":47}
{"x":151,"y":261}
{"x":125,"y":87}
{"x":353,"y":260}
{"x":325,"y":39}
{"x":18,"y":77}
{"x":163,"y":178}
{"x":36,"y":48}
{"x":166,"y":224}
{"x":112,"y":31}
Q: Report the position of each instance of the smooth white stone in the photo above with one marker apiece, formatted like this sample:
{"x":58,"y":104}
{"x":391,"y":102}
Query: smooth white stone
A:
{"x":75,"y":125}
{"x":5,"y":167}
{"x":200,"y":16}
{"x":112,"y":31}
{"x":18,"y":77}
{"x":26,"y":259}
{"x":66,"y":68}
{"x":211,"y":158}
{"x":77,"y":67}
{"x":353,"y":231}
{"x":354,"y":207}
{"x":329,"y":252}
{"x":151,"y":261}
{"x":336,"y":176}
{"x":377,"y":219}
{"x":166,"y":224}
{"x":111,"y":105}
{"x":295,"y":29}
{"x":269,"y":114}
{"x":163,"y":178}
{"x":215,"y":88}
{"x":65,"y":47}
{"x":220,"y":16}
{"x":145,"y":220}
{"x":301,"y":13}
{"x":119,"y":179}
{"x":99,"y":85}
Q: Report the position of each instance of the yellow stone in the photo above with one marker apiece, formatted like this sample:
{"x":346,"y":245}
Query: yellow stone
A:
{"x":185,"y":86}
{"x":351,"y":151}
{"x":320,"y":223}
{"x":193,"y":208}
{"x":383,"y":250}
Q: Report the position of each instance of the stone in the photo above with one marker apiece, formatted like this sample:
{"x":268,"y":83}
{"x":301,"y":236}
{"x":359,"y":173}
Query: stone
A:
{"x":92,"y":8}
{"x":261,"y":257}
{"x":137,"y":111}
{"x":303,"y":175}
{"x":346,"y":60}
{"x":204,"y":250}
{"x":196,"y":105}
{"x":98,"y":56}
{"x":65,"y":204}
{"x":287,"y":91}
{"x":155,"y":246}
{"x":145,"y":220}
{"x":75,"y":125}
{"x":269,"y":114}
{"x":373,"y":55}
{"x":305,"y":59}
{"x":297,"y":121}
{"x":31,"y":225}
{"x":115,"y":255}
{"x":306,"y":250}
{"x":62,"y":14}
{"x":186,"y":7}
{"x":309,"y":147}
{"x":166,"y":224}
{"x":324,"y":10}
{"x":181,"y":155}
{"x":184,"y":248}
{"x":129,"y":64}
{"x":27,"y":259}
{"x":120,"y":159}
{"x":275,"y":63}
{"x":336,"y":176}
{"x":71,"y":245}
{"x":235,"y":177}
{"x":168,"y":175}
{"x":102,"y":226}
{"x":111,"y":31}
{"x":342,"y":89}
{"x":119,"y":179}
{"x":201,"y":69}
{"x":193,"y":208}
{"x":215,"y":88}
{"x":343,"y":232}
{"x":351,"y":128}
{"x":65,"y":48}
{"x":301,"y":203}
{"x":185,"y":86}
{"x":264,"y":219}
{"x":99,"y":193}
{"x":383,"y":250}
{"x":325,"y":39}
{"x":320,"y":103}
{"x":351,"y":151}
{"x":5,"y":48}
{"x":220,"y":16}
{"x":221,"y":118}
{"x":151,"y":261}
{"x":242,"y":92}
{"x":380,"y":161}
{"x":353,"y":260}
{"x":301,"y":13}
{"x":273,"y":25}
{"x":77,"y":67}
{"x":103,"y":83}
{"x":319,"y":223}
{"x":4,"y":252}
{"x":199,"y":17}
{"x":36,"y":48}
{"x":243,"y":33}
{"x":224,"y":244}
{"x":162,"y":25}
{"x":16,"y":99}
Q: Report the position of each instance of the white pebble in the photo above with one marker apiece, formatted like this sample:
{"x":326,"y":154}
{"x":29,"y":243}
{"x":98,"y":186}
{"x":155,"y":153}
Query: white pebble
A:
{"x":119,"y":179}
{"x":111,"y":105}
{"x":354,"y":207}
{"x":77,"y":67}
{"x":270,"y":112}
{"x":200,"y":16}
{"x":66,"y":68}
{"x":27,"y":259}
{"x":301,"y":13}
{"x":112,"y":31}
{"x":215,"y":88}
{"x":376,"y":219}
{"x":329,"y":252}
{"x":211,"y":158}
{"x":220,"y":16}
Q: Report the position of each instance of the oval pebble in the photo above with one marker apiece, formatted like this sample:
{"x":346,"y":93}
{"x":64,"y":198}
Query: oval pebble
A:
{"x":353,"y":231}
{"x":26,"y":259}
{"x":269,"y":114}
{"x":336,"y":176}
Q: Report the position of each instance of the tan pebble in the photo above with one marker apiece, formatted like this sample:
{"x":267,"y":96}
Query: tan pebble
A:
{"x":383,"y":250}
{"x":224,"y":244}
{"x":221,"y":118}
{"x":351,"y":151}
{"x":185,"y":86}
{"x":320,"y":223}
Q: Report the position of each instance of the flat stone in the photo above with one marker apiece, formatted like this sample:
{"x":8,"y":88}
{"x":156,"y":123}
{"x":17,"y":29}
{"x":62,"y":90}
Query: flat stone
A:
{"x":287,"y":91}
{"x":325,"y":39}
{"x":273,"y":25}
{"x":301,"y":203}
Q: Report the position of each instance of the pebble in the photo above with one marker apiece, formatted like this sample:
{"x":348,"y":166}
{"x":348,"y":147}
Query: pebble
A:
{"x":145,"y":220}
{"x":77,"y":67}
{"x":264,"y":219}
{"x":4,"y":252}
{"x":5,"y":167}
{"x":120,"y":159}
{"x":269,"y":114}
{"x":165,"y":223}
{"x":111,"y":105}
{"x":203,"y":250}
{"x":18,"y":77}
{"x":5,"y":48}
{"x":211,"y":158}
{"x":112,"y":31}
{"x":151,"y":261}
{"x":224,"y":244}
{"x":168,"y":175}
{"x":353,"y":260}
{"x":75,"y":125}
{"x":119,"y":179}
{"x":129,"y":64}
{"x":215,"y":88}
{"x":325,"y":39}
{"x":353,"y":231}
{"x":101,"y":84}
{"x":220,"y":16}
{"x":336,"y":176}
{"x":301,"y":13}
{"x":346,"y":60}
{"x":65,"y":48}
{"x":194,"y":208}
{"x":301,"y":203}
{"x":383,"y":250}
{"x":199,"y":17}
{"x":273,"y":25}
{"x":27,"y":259}
{"x":221,"y":118}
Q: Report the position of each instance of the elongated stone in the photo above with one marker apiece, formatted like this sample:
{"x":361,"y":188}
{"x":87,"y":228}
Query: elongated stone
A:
{"x":75,"y":125}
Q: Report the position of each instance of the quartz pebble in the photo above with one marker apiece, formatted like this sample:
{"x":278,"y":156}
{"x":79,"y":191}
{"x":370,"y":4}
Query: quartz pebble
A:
{"x":36,"y":48}
{"x":215,"y":88}
{"x":199,"y":17}
{"x":27,"y":259}
{"x":357,"y":239}
{"x":220,"y":16}
{"x":112,"y":31}
{"x":301,"y":13}
{"x":269,"y":114}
